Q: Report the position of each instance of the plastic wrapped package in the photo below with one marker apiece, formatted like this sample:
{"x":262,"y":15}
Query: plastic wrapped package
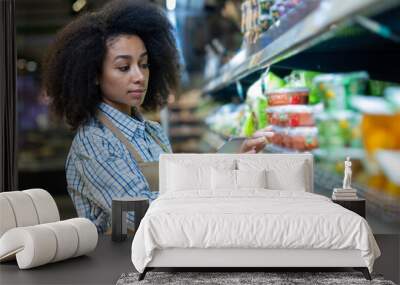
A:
{"x":288,"y":96}
{"x":280,"y":135}
{"x":303,"y":138}
{"x":270,"y":82}
{"x":302,"y":78}
{"x":340,"y":129}
{"x":249,"y":123}
{"x":257,"y":102}
{"x":227,"y":120}
{"x":286,"y":140}
{"x":299,"y":138}
{"x":299,"y":115}
{"x":335,"y":90}
{"x":290,"y":115}
{"x":277,"y":115}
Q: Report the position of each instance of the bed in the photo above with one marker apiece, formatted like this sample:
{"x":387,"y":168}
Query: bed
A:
{"x":241,"y":210}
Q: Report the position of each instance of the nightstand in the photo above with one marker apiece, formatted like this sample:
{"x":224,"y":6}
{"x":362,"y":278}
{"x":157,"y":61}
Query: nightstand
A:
{"x":357,"y":206}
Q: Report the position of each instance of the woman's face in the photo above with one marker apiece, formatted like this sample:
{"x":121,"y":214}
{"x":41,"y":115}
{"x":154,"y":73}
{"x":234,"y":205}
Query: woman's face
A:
{"x":125,"y":73}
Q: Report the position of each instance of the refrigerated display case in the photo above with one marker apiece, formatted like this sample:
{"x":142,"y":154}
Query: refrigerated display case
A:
{"x":355,"y":42}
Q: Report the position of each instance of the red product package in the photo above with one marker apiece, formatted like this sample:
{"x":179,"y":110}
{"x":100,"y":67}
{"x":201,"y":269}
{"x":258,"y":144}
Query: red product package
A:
{"x":288,"y":96}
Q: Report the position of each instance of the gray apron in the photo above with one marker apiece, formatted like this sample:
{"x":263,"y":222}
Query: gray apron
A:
{"x":149,"y":169}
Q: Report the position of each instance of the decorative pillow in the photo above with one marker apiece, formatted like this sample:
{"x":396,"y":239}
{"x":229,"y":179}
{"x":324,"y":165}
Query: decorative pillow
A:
{"x":251,"y":179}
{"x":188,"y":177}
{"x":223,"y":179}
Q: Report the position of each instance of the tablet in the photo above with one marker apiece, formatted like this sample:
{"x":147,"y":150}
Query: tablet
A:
{"x":232,"y":145}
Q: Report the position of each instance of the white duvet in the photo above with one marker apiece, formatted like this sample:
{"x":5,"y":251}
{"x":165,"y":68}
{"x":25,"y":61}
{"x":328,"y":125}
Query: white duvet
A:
{"x":256,"y":218}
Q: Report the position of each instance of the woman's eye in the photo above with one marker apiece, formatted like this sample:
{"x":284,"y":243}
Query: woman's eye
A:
{"x":124,"y":68}
{"x":145,"y":65}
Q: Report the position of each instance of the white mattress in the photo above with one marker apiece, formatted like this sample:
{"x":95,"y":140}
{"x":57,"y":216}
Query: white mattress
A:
{"x":257,"y":218}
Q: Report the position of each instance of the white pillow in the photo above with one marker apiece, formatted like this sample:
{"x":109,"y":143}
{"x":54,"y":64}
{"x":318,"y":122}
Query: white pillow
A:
{"x":223,"y":179}
{"x":295,"y":180}
{"x":282,"y":174}
{"x":251,"y":178}
{"x":188,"y":177}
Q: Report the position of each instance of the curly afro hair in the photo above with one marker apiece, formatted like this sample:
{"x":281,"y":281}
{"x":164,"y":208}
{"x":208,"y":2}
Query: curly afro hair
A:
{"x":75,"y":59}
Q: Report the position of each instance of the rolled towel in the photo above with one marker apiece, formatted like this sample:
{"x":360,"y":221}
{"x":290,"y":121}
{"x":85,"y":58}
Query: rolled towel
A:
{"x":7,"y":218}
{"x":23,"y":208}
{"x":33,"y":246}
{"x":46,"y":207}
{"x":40,"y":244}
{"x":26,"y":208}
{"x":87,"y":235}
{"x":66,"y":239}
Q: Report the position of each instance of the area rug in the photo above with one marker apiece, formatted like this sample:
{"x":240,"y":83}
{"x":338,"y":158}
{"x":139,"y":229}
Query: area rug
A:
{"x":242,"y":278}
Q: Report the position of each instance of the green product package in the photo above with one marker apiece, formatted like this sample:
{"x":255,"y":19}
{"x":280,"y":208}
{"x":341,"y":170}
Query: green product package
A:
{"x":270,"y":81}
{"x":301,"y":78}
{"x":339,"y":130}
{"x":257,"y":101}
{"x":248,"y":128}
{"x":336,"y":90}
{"x":260,"y":113}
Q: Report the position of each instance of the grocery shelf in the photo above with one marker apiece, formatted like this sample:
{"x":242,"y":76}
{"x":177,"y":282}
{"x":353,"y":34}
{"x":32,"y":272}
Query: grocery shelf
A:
{"x":319,"y":35}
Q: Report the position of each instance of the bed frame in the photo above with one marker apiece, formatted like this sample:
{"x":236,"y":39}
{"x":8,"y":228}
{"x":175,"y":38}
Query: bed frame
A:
{"x":259,"y":258}
{"x":252,"y":258}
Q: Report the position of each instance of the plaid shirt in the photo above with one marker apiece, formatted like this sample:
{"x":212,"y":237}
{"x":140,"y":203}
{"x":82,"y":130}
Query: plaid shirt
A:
{"x":99,"y":167}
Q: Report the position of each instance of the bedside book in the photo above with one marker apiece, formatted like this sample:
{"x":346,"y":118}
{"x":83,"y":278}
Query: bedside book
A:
{"x":347,"y":198}
{"x":344,"y":194}
{"x":341,"y":190}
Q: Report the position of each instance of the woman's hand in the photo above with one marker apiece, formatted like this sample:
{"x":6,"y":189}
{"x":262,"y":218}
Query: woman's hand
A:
{"x":257,"y":142}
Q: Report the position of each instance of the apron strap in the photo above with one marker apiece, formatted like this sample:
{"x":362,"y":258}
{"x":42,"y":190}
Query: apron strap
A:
{"x":103,"y":119}
{"x":157,"y":140}
{"x":150,"y":132}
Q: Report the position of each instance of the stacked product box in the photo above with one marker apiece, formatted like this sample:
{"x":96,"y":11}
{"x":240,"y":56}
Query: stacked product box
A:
{"x":292,"y":119}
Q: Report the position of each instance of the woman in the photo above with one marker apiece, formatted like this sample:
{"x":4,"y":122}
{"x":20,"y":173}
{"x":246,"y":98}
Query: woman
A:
{"x":103,"y":68}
